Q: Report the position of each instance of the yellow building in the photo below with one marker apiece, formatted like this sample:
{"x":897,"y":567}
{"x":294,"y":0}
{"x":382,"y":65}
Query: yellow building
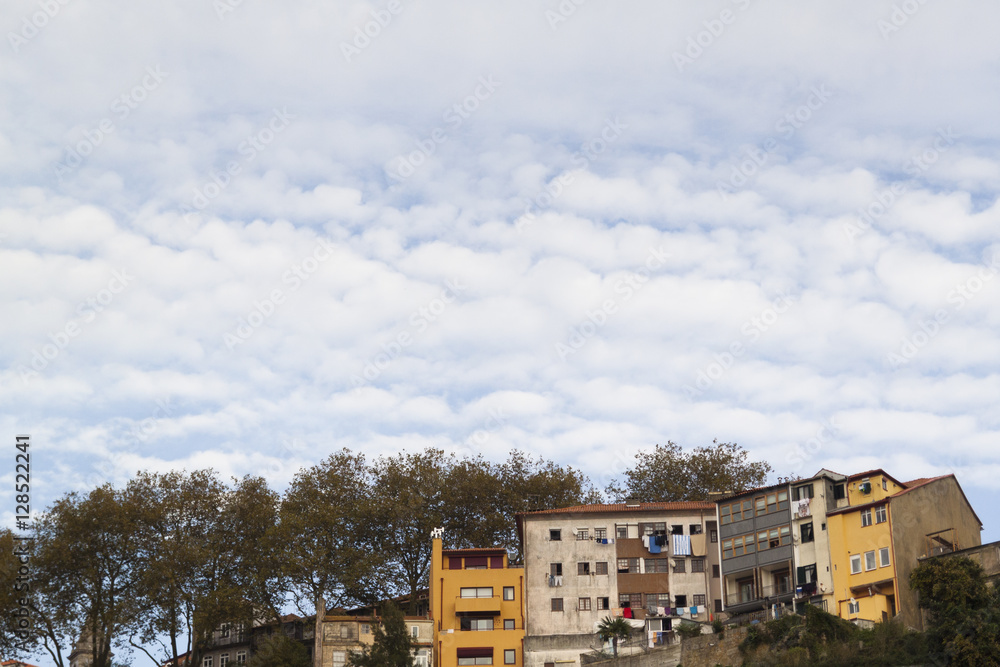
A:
{"x":477,"y":604}
{"x":879,"y":531}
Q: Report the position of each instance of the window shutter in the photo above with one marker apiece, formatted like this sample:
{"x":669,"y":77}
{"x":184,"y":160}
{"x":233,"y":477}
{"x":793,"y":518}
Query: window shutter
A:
{"x":496,"y":562}
{"x":454,"y":563}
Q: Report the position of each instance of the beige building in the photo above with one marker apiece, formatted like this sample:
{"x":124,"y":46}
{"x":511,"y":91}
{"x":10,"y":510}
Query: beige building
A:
{"x":656,"y":563}
{"x":344,"y":634}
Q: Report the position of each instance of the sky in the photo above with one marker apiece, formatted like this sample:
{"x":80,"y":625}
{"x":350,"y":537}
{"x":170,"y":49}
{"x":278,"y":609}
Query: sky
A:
{"x":245,"y":235}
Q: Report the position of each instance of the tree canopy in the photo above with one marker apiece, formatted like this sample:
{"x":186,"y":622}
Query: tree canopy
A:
{"x":964,"y":611}
{"x":670,"y":473}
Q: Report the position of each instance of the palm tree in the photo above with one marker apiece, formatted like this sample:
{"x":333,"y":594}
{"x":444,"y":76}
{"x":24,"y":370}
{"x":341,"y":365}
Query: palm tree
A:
{"x":614,"y":629}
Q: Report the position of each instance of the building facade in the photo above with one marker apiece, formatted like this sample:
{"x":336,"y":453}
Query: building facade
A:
{"x":346,"y":634}
{"x":477,"y":607}
{"x":655,"y":563}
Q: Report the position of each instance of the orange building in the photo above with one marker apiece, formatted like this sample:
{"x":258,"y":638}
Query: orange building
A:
{"x":477,"y":604}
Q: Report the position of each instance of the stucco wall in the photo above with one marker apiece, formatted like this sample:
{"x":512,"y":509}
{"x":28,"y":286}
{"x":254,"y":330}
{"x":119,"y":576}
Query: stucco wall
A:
{"x":936,"y":506}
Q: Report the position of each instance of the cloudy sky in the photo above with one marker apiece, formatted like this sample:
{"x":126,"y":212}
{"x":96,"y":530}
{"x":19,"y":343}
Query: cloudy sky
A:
{"x":244,"y":235}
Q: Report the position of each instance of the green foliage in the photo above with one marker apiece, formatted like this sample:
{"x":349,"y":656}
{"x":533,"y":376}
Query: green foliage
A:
{"x":671,"y":474}
{"x":392,"y":645}
{"x":280,"y":650}
{"x":689,"y":630}
{"x":718,"y":627}
{"x":964,"y":611}
{"x":822,"y":639}
{"x":614,"y":630}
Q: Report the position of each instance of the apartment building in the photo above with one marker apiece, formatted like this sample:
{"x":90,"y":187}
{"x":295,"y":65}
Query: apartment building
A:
{"x":477,"y":607}
{"x":655,"y":563}
{"x":344,"y":634}
{"x":879,"y":535}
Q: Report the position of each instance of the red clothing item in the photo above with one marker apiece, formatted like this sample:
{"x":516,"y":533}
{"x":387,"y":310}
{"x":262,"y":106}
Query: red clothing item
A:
{"x":627,"y":612}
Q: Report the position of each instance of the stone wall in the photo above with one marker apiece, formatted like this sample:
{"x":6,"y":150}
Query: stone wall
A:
{"x":669,"y":656}
{"x":709,"y":650}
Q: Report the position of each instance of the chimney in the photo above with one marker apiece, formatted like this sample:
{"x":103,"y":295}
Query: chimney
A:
{"x":631,"y":503}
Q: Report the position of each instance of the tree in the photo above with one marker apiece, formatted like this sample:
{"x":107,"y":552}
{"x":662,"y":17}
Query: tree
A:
{"x":87,"y":566}
{"x":392,"y":645}
{"x":614,"y":630}
{"x":280,"y":650}
{"x":333,"y":549}
{"x":670,"y":474}
{"x":964,"y":611}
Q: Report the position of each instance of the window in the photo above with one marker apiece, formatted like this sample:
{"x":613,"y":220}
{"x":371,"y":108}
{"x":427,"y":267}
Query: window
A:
{"x":600,"y":533}
{"x":621,"y":532}
{"x":345,"y":631}
{"x":583,"y":568}
{"x":415,"y":631}
{"x":679,"y":566}
{"x":582,"y":534}
{"x":484,"y":660}
{"x":224,"y":630}
{"x":883,"y":557}
{"x":339,"y":658}
{"x":761,"y":504}
{"x":583,"y":604}
{"x":786,"y":535}
{"x":366,"y":629}
{"x":697,"y":564}
{"x":420,"y":660}
{"x":880,"y":514}
{"x":718,"y":606}
{"x":482,"y":592}
{"x":508,"y":624}
{"x":509,"y":656}
{"x":838,"y":492}
{"x":206,"y":661}
{"x":727,"y":549}
{"x":866,"y":517}
{"x":653,"y":528}
{"x":869,"y":561}
{"x":853,"y":607}
{"x":681,"y":600}
{"x":726,"y":514}
{"x":856,"y":564}
{"x":557,"y":604}
{"x":603,"y":603}
{"x":658,"y":599}
{"x":806,"y":532}
{"x":633,"y":600}
{"x":699,"y":600}
{"x":628,"y":566}
{"x":715,"y":571}
{"x":508,"y":592}
{"x":695,"y":529}
{"x":241,"y":657}
{"x":885,"y":485}
{"x":677,"y":530}
{"x":555,"y":535}
{"x":472,"y":624}
{"x":807,"y":574}
{"x":802,"y":492}
{"x":656,"y":566}
{"x":601,"y":567}
{"x":555,"y":569}
{"x":713,"y":535}
{"x":223,"y":660}
{"x":772,"y":503}
{"x":772,"y":539}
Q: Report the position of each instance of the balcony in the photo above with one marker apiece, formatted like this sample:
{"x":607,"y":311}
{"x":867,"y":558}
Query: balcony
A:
{"x":752,"y":593}
{"x":489,"y":605}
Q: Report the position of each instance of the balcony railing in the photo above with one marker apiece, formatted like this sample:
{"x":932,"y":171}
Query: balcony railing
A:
{"x":755,"y":593}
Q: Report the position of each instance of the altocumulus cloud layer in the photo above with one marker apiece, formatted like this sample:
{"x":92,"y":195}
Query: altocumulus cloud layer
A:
{"x":243,"y":235}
